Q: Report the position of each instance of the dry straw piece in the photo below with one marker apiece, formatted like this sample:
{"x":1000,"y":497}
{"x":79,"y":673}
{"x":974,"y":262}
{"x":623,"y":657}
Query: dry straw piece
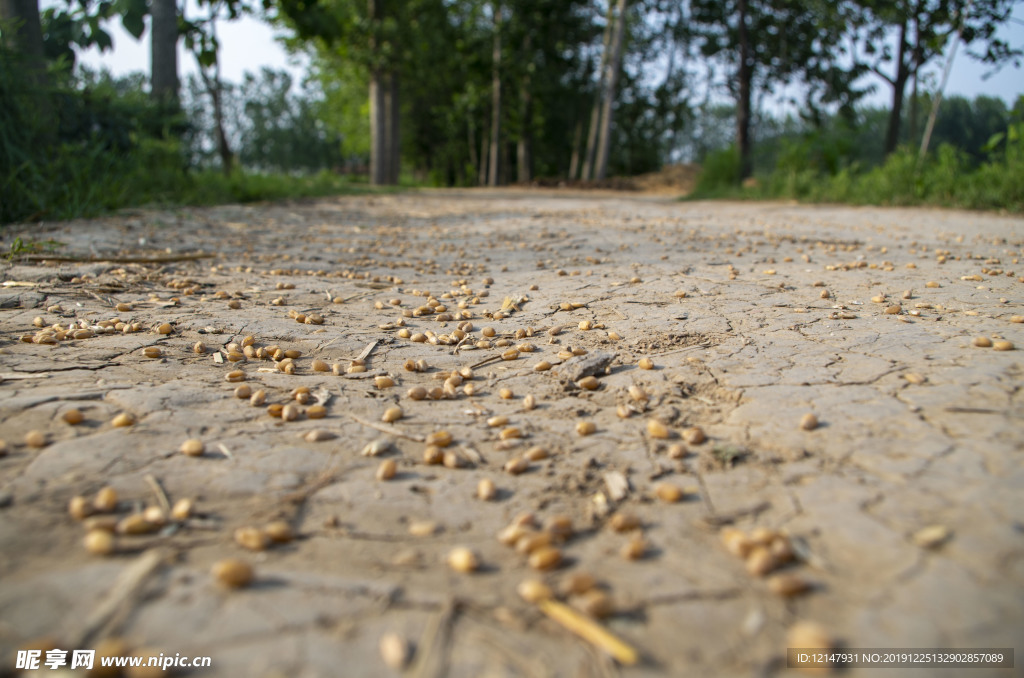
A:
{"x":589,"y":631}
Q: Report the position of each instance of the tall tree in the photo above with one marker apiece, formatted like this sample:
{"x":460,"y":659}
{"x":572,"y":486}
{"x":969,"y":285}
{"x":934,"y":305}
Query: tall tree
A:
{"x":590,"y":153}
{"x":369,"y":33}
{"x":611,"y":80}
{"x":921,"y":30}
{"x":494,"y":176}
{"x":22,"y":19}
{"x":766,"y":42}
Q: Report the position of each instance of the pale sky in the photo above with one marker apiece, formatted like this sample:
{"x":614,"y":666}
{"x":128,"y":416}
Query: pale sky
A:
{"x":248,"y":44}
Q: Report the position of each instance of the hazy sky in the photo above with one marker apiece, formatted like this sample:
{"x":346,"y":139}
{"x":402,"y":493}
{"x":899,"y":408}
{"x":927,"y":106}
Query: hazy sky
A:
{"x":248,"y":44}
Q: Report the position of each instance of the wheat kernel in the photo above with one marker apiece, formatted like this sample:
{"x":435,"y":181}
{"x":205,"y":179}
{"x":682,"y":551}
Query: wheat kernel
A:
{"x":99,"y":542}
{"x":279,"y":531}
{"x":193,"y":447}
{"x":505,"y":394}
{"x":80,"y":508}
{"x":35,"y":438}
{"x":387,"y":469}
{"x":232,"y":573}
{"x":668,"y":493}
{"x":251,"y":538}
{"x":1002,"y":345}
{"x":462,"y":559}
{"x":545,"y":558}
{"x":533,"y":590}
{"x":634,"y":549}
{"x":760,"y":561}
{"x":809,"y":422}
{"x":694,"y":435}
{"x":73,"y":417}
{"x":486,"y":490}
{"x":645,"y":364}
{"x":589,"y":383}
{"x":392,"y":414}
{"x":658,"y":430}
{"x":585,"y":428}
{"x":181,"y":510}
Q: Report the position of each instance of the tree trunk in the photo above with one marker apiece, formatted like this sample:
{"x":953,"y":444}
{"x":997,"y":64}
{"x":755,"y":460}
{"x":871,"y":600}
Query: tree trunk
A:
{"x":494,"y":176}
{"x":378,"y":127}
{"x":595,"y":113}
{"x":899,"y":84}
{"x":524,"y":145}
{"x":27,"y":35}
{"x":614,"y":65}
{"x":474,"y":158}
{"x":164,"y":51}
{"x":485,"y":138}
{"x":215,"y":90}
{"x":916,"y":61}
{"x":745,"y":76}
{"x":574,"y":161}
{"x":392,"y":147}
{"x":27,"y":40}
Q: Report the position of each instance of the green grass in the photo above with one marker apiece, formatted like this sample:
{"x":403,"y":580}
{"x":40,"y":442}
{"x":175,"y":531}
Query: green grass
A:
{"x":212,"y":187}
{"x":945,"y":178}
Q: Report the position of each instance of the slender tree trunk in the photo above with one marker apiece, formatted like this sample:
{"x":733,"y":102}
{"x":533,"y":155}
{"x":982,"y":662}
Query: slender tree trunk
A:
{"x":524,"y":145}
{"x":916,"y":61}
{"x":392,"y":147}
{"x":474,"y":158}
{"x":899,"y":84}
{"x":164,"y":81}
{"x":494,"y":176}
{"x":614,"y":65}
{"x":381,"y":124}
{"x":378,"y":126}
{"x":481,"y":178}
{"x":744,"y":84}
{"x":595,"y":113}
{"x":214,"y":88}
{"x":574,"y":161}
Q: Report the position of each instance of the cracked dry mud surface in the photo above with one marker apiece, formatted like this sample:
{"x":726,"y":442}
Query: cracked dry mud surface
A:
{"x":919,"y":428}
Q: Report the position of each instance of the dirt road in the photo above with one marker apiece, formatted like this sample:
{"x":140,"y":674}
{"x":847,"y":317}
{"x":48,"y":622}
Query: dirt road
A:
{"x":900,"y":512}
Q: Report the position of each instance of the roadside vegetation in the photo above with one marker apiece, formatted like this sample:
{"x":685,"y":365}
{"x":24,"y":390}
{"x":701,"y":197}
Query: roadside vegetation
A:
{"x":495,"y":92}
{"x":977,"y":161}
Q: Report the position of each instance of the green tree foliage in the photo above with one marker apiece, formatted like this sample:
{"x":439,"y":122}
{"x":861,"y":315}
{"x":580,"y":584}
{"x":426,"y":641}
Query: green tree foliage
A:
{"x":901,"y":37}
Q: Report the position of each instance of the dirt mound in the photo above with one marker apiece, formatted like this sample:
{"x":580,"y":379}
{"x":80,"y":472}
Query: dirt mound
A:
{"x":676,"y":179}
